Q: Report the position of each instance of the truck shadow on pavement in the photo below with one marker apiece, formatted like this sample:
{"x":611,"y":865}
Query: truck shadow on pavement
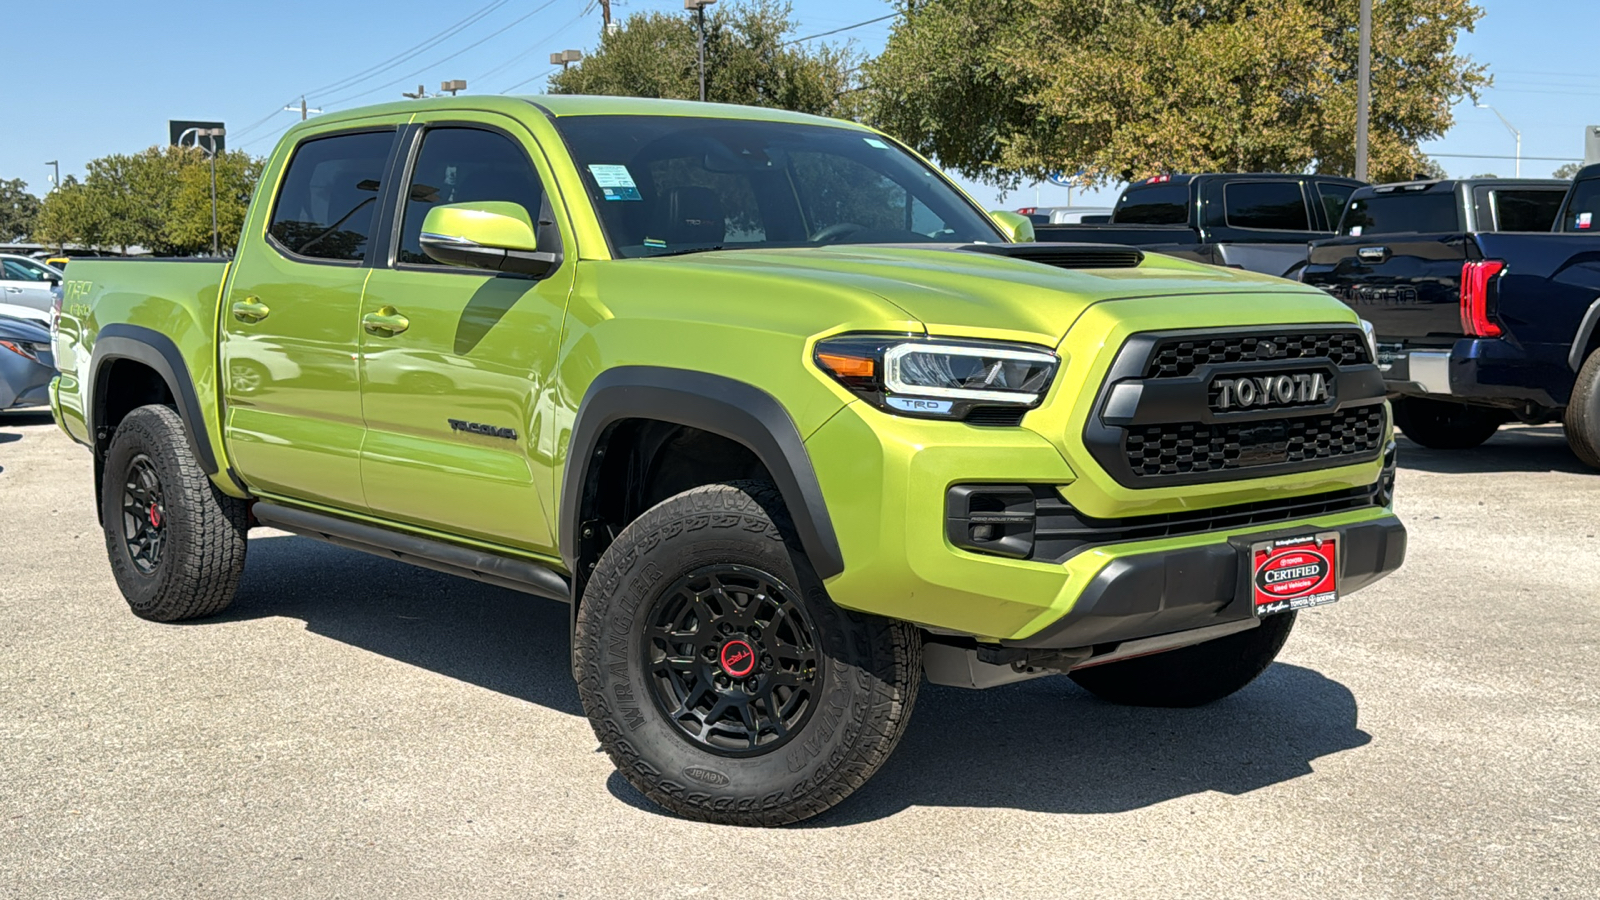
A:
{"x":1524,"y":448}
{"x":1042,"y":745}
{"x":502,"y":640}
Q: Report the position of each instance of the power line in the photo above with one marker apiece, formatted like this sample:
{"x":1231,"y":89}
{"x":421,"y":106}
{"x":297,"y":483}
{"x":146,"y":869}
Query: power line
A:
{"x":534,"y":47}
{"x":403,"y":78}
{"x":1502,"y":156}
{"x":812,"y":37}
{"x":411,"y":53}
{"x":539,"y":42}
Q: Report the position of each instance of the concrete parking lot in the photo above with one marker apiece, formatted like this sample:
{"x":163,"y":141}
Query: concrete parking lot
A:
{"x":355,"y":728}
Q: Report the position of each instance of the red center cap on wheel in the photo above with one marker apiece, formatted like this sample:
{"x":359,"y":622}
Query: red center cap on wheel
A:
{"x":738,"y":658}
{"x":155,"y":516}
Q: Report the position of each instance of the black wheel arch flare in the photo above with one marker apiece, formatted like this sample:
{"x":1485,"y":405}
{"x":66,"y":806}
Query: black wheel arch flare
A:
{"x":723,"y":406}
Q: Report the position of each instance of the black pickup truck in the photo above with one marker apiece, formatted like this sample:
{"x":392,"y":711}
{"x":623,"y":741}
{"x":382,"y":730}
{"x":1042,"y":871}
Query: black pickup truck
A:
{"x":1485,"y":296}
{"x":1258,"y":222}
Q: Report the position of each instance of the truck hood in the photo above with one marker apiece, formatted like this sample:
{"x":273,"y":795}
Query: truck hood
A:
{"x":950,"y":290}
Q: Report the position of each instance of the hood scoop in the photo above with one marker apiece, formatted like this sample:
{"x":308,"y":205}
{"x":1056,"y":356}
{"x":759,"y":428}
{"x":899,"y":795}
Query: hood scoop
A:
{"x":1065,"y":256}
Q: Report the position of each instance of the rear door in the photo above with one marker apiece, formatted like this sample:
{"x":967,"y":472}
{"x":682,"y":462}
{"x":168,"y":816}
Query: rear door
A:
{"x":1260,"y":224}
{"x":24,"y":282}
{"x":290,"y":319}
{"x":454,"y":401}
{"x":1398,"y":262}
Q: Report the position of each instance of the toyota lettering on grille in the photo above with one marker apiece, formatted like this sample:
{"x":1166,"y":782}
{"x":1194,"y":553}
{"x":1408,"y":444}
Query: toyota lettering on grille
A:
{"x":1258,"y":391}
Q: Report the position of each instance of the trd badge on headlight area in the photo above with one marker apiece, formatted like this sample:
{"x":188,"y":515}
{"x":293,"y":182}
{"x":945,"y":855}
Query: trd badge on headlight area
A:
{"x":1269,"y":390}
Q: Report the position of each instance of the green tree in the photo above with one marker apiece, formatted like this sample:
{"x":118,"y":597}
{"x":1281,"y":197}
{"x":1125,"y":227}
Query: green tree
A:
{"x":1002,"y":90}
{"x":751,"y":58}
{"x":158,"y":199}
{"x":1567,"y":170}
{"x":18,"y":209}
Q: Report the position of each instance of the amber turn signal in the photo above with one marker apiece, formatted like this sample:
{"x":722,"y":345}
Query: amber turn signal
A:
{"x":848,"y":366}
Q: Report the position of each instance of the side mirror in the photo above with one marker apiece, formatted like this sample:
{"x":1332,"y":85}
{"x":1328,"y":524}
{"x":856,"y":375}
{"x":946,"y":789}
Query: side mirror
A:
{"x":493,"y":235}
{"x":1018,"y":228}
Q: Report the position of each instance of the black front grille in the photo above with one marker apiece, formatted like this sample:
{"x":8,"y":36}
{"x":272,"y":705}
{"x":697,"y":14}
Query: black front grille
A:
{"x":1184,"y":448}
{"x":1178,"y":357}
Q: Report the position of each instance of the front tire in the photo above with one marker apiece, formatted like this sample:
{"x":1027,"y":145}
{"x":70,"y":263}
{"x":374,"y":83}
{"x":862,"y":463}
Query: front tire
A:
{"x":1190,"y":676}
{"x":719,"y":677}
{"x":176,"y":543}
{"x":1582,"y":418}
{"x":1443,"y":425}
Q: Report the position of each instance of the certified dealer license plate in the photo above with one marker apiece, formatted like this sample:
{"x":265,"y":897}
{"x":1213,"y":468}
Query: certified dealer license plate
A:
{"x":1294,"y":573}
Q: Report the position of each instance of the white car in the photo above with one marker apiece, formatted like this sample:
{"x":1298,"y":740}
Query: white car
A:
{"x":1080,"y":215}
{"x":27,"y":282}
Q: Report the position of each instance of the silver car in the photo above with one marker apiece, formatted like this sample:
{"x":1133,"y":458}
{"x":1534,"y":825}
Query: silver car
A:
{"x":26,"y":363}
{"x":27,"y":282}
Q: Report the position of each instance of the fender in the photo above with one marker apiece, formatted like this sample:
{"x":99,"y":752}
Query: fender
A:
{"x":1580,"y":341}
{"x":732,"y":409}
{"x":156,"y":350}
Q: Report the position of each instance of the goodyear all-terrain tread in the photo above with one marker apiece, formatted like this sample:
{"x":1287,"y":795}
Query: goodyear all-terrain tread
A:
{"x":878,"y":664}
{"x":204,"y":547}
{"x":1190,"y":676}
{"x":1582,"y":418}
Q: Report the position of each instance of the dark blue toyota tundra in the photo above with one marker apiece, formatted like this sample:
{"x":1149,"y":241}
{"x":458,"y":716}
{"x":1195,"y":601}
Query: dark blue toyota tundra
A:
{"x":1485,"y":295}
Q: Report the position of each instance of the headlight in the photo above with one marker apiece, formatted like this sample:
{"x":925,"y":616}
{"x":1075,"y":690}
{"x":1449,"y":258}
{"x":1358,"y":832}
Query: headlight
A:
{"x":937,"y":378}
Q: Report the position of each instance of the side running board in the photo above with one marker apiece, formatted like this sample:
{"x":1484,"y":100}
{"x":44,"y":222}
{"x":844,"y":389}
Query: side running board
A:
{"x":501,"y":571}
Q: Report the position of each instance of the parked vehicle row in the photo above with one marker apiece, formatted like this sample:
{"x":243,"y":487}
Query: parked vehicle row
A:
{"x":788,"y":420}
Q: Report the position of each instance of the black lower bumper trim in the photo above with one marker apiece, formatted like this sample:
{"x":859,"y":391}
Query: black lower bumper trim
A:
{"x":1153,"y":594}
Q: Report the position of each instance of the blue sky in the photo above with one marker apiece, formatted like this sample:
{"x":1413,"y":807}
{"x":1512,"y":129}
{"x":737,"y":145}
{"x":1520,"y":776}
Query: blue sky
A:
{"x":91,"y":78}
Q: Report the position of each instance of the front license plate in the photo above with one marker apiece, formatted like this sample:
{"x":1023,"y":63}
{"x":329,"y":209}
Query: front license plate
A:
{"x":1295,"y":573}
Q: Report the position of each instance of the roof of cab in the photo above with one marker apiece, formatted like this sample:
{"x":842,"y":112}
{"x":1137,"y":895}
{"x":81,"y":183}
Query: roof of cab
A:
{"x":565,"y":105}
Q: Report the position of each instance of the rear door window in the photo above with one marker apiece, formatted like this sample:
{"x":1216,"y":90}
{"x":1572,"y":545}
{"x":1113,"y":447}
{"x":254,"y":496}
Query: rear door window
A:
{"x":1334,"y":197}
{"x":465,"y":165}
{"x":1525,"y":210}
{"x":1154,"y":204}
{"x":328,"y":201}
{"x":1583,"y":213}
{"x":1266,"y":205}
{"x":1402,"y":213}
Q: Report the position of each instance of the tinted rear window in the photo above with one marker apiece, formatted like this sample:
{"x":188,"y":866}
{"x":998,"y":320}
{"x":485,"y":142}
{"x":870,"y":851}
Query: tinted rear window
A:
{"x":1401,"y":213}
{"x":1155,"y":204}
{"x":1526,"y":210}
{"x":1583,"y":213}
{"x":1271,"y":205}
{"x":330,"y":196}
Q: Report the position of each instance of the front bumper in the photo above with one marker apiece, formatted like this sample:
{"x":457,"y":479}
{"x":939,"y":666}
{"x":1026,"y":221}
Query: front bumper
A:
{"x":886,"y":480}
{"x":1488,"y":371}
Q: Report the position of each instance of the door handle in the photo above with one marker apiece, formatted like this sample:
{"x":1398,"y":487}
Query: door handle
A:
{"x":250,"y":309}
{"x":386,"y":322}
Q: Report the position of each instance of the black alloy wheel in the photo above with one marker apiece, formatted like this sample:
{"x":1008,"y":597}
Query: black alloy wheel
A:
{"x":734,"y":660}
{"x":143,"y":515}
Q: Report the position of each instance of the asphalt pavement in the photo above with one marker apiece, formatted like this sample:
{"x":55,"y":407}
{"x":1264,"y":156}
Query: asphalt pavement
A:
{"x":352,"y":727}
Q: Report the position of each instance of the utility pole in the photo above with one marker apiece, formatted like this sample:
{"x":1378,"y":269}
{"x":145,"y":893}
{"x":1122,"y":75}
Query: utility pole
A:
{"x":699,"y":7}
{"x":421,"y":94}
{"x":302,"y":109}
{"x":1363,"y":89}
{"x":605,"y":16}
{"x":1511,"y":128}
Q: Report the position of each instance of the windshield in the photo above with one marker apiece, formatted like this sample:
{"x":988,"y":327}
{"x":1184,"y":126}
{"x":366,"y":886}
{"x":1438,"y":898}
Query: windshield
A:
{"x":672,"y":184}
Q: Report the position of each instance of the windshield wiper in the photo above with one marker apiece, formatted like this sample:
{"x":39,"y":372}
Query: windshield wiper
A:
{"x":683,"y":252}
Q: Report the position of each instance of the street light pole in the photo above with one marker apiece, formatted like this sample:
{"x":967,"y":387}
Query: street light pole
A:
{"x":1514,"y":133}
{"x":55,"y":180}
{"x":1363,"y":89}
{"x":699,"y":6}
{"x":211,"y":135}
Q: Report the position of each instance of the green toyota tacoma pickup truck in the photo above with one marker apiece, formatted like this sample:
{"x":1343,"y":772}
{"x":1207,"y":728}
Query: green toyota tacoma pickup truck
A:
{"x":789,"y":421}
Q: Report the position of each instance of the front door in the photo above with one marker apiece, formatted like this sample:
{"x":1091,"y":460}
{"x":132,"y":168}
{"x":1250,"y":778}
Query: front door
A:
{"x":454,"y":360}
{"x":290,"y":323}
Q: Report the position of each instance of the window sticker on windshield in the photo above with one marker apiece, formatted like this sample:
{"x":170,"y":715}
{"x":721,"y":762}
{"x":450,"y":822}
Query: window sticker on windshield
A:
{"x":655,"y":243}
{"x":1355,"y":231}
{"x":615,"y":182}
{"x":874,"y":142}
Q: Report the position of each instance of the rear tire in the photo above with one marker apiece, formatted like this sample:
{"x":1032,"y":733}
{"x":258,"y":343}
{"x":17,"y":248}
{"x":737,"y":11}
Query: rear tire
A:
{"x":175,"y":542}
{"x":1582,"y":419}
{"x":1443,"y":425}
{"x":720,"y":678}
{"x":1190,"y":676}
